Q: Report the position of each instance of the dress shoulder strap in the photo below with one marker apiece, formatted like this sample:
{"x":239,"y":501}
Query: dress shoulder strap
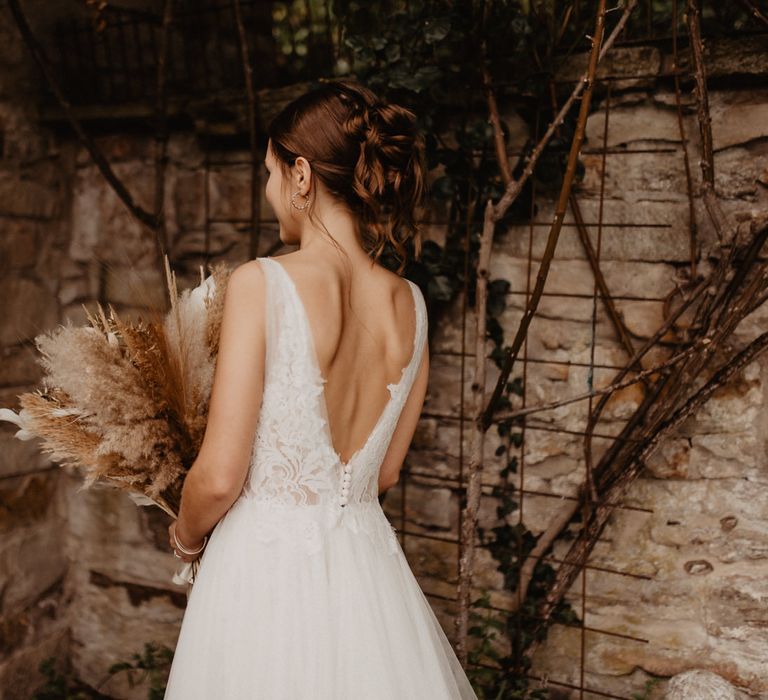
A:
{"x":272,"y":311}
{"x":402,"y":389}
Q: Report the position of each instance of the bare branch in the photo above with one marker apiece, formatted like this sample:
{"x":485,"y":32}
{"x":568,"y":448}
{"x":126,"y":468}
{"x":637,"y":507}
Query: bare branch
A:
{"x":705,"y":123}
{"x":754,"y":11}
{"x":101,"y":162}
{"x":513,"y":190}
{"x":565,"y":191}
{"x":255,"y":228}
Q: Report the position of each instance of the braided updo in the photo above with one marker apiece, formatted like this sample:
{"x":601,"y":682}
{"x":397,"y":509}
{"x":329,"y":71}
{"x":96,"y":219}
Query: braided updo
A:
{"x":366,"y":152}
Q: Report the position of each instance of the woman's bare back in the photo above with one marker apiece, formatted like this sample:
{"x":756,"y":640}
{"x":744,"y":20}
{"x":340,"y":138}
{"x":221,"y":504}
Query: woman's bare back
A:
{"x":359,"y":350}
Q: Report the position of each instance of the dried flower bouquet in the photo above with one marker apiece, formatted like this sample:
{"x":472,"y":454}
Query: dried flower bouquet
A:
{"x":126,"y":402}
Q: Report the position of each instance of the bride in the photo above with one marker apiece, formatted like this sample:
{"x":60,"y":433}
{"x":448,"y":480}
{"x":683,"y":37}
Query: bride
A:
{"x":303,"y":590}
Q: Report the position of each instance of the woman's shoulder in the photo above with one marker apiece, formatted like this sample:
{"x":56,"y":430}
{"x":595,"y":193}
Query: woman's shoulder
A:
{"x":307,"y":272}
{"x":246,"y":281}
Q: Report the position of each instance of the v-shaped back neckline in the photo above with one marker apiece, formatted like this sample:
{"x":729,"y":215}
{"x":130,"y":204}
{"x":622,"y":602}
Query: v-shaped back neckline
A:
{"x":391,"y":388}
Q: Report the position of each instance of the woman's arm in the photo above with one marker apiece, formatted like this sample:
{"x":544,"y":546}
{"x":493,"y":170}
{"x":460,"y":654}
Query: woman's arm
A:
{"x":216,"y":478}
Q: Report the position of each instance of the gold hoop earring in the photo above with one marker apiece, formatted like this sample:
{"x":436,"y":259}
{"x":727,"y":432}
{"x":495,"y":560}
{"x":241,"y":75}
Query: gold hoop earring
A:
{"x":306,"y":204}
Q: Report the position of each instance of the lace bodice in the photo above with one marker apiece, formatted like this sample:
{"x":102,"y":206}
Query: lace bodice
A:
{"x":293,"y":460}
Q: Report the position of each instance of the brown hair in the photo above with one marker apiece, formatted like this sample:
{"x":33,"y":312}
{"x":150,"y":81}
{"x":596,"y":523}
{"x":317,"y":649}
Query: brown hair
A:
{"x":366,"y":152}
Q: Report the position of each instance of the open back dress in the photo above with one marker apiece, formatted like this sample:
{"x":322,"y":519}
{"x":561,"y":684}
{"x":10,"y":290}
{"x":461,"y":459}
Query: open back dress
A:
{"x":303,"y":591}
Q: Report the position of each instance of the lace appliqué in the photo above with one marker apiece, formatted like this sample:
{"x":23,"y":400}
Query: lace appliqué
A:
{"x":293,"y":463}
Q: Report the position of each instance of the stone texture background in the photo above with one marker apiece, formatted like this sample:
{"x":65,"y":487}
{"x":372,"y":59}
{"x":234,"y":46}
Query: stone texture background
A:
{"x":86,"y":576}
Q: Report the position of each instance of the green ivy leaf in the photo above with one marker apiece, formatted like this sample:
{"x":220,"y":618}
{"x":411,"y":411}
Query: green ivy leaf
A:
{"x":436,"y":29}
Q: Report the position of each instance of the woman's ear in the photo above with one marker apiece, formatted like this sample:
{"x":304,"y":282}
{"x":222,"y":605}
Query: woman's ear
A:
{"x":303,"y":174}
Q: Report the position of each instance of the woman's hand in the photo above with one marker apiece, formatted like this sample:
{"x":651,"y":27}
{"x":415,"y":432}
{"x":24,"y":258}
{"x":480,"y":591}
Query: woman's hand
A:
{"x":186,"y":545}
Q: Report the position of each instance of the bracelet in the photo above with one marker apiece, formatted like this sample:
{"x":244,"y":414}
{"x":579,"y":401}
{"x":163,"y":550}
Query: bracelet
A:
{"x":186,"y":551}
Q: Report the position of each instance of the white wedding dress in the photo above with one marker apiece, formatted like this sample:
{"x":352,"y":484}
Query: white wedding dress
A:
{"x":304,"y":592}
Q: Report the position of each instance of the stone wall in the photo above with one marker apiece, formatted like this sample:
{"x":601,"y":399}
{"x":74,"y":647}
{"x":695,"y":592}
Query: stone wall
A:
{"x":698,"y":532}
{"x":86,"y":575}
{"x":34,"y":198}
{"x":693,"y":531}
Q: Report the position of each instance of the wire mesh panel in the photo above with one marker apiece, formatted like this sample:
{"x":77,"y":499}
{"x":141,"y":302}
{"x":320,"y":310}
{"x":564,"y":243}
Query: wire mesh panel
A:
{"x":633,"y":216}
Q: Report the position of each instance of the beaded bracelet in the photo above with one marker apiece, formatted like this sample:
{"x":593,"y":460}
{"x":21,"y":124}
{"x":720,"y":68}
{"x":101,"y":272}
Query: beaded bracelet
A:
{"x":186,"y":551}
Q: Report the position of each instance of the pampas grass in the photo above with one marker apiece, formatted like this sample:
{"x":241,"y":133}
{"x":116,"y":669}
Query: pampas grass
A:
{"x":126,"y":402}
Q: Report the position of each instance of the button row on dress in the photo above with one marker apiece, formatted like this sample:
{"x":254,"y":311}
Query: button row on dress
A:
{"x":345,"y":481}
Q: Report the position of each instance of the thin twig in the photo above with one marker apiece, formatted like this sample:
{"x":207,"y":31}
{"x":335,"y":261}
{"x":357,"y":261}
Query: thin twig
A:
{"x":477,"y":437}
{"x":255,"y":229}
{"x":618,"y":324}
{"x":754,"y":11}
{"x":705,"y":123}
{"x":610,"y":389}
{"x":161,"y":134}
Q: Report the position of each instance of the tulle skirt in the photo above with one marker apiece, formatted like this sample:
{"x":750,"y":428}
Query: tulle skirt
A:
{"x":310,"y":603}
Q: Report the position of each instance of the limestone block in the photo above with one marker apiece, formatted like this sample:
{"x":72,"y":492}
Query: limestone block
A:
{"x":102,"y":224}
{"x":112,"y":620}
{"x":433,"y":558}
{"x":223,"y":238}
{"x":447,"y":335}
{"x":738,"y":170}
{"x":429,"y":505}
{"x":31,"y":559}
{"x":696,"y":590}
{"x":18,"y":242}
{"x":26,"y":500}
{"x":746,"y":54}
{"x":624,"y":278}
{"x":119,"y":148}
{"x":123,"y":581}
{"x":29,"y":309}
{"x":112,"y":534}
{"x":621,"y":62}
{"x":20,"y":677}
{"x":444,"y":392}
{"x":628,"y":124}
{"x":188,"y":193}
{"x":19,"y":366}
{"x":636,"y":176}
{"x":671,"y":460}
{"x":230,"y":193}
{"x":718,"y":455}
{"x":559,"y":340}
{"x":642,"y":230}
{"x":733,"y":408}
{"x":74,"y":290}
{"x":24,"y":141}
{"x":738,"y":116}
{"x":751,"y":326}
{"x":434,"y":464}
{"x":445,"y":449}
{"x":184,"y":150}
{"x":702,"y":685}
{"x":18,"y":456}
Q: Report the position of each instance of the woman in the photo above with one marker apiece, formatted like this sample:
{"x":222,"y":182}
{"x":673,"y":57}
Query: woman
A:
{"x":303,"y":590}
